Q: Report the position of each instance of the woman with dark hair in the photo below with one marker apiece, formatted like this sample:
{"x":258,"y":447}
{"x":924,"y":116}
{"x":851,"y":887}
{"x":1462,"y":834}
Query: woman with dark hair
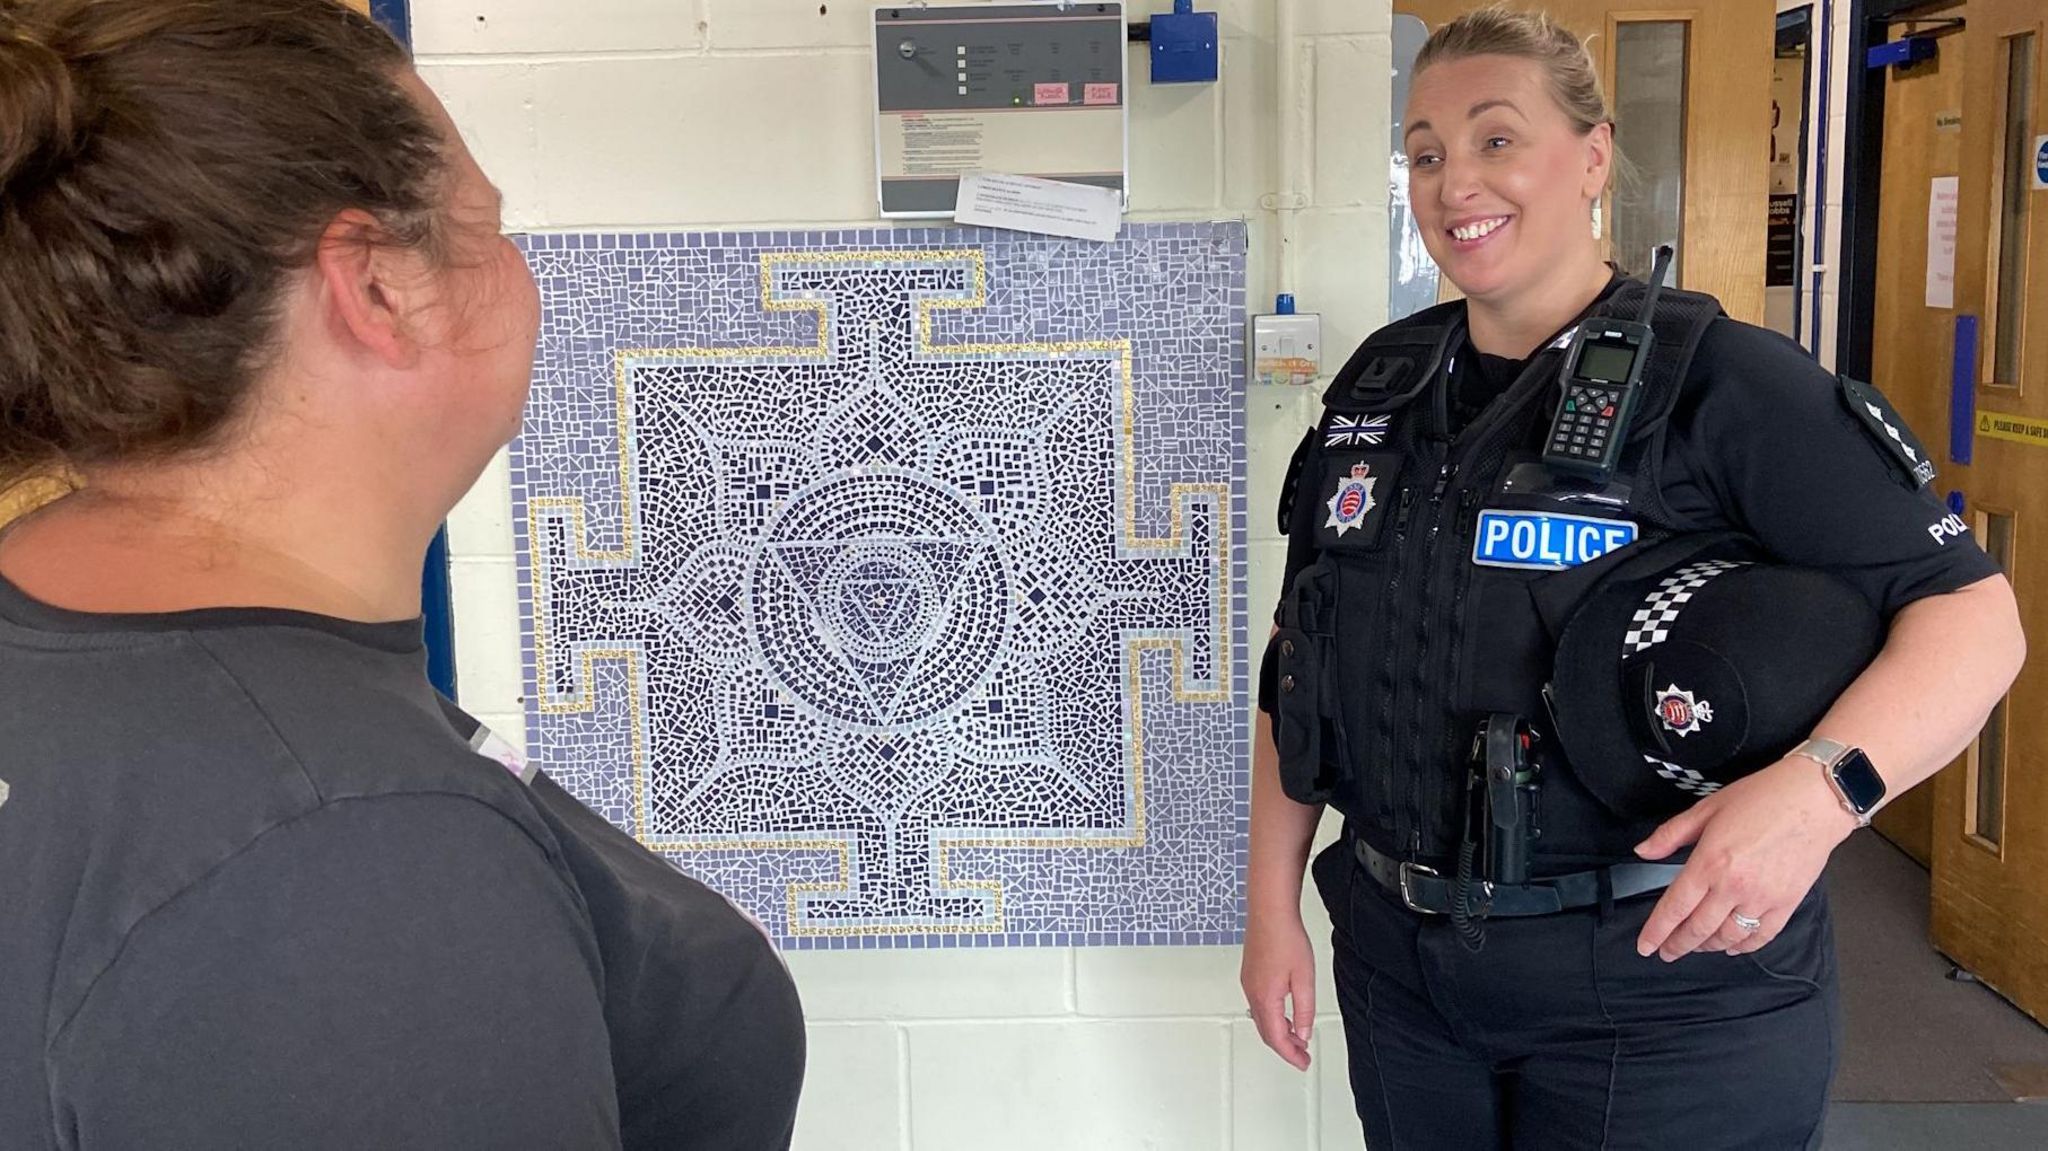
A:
{"x":259,"y":889}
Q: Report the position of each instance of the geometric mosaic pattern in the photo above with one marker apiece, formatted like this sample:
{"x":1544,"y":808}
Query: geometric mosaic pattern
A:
{"x":892,"y":581}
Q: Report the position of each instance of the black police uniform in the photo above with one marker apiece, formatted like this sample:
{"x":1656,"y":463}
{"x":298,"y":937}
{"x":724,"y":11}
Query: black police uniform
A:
{"x":1394,"y":643}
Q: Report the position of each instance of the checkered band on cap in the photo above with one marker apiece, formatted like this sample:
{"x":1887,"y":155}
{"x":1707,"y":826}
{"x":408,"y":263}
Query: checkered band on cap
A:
{"x":1651,"y":625}
{"x":1688,"y":780}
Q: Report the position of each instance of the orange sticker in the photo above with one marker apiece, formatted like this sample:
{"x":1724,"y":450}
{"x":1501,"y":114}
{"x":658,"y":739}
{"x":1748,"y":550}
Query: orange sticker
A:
{"x":1051,"y":94}
{"x":1099,"y":94}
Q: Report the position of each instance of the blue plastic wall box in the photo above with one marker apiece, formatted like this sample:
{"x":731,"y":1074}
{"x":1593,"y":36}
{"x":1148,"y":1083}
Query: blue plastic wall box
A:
{"x":1184,"y":46}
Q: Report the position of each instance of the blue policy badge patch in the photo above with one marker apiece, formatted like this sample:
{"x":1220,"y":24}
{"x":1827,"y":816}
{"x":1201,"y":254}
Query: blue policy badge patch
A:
{"x":1546,"y":541}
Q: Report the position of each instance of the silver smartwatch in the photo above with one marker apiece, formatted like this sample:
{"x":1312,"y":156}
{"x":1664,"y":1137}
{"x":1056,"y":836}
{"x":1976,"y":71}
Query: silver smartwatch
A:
{"x":1850,"y":772}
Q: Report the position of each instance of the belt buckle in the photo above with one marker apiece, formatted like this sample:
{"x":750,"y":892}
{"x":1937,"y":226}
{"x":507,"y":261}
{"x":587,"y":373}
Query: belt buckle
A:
{"x":1408,"y":869}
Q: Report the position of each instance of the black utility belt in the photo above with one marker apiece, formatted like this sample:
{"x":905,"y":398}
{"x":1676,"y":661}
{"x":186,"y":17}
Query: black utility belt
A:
{"x":1426,"y":890}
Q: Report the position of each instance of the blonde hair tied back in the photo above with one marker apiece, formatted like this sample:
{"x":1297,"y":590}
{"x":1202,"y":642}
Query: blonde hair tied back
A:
{"x":1574,"y":82}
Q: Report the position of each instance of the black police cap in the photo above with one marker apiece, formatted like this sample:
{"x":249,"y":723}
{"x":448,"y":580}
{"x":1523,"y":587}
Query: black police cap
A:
{"x":1696,"y":662}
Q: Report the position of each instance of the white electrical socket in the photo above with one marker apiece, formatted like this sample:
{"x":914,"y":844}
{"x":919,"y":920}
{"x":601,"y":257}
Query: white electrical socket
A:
{"x":1287,"y":348}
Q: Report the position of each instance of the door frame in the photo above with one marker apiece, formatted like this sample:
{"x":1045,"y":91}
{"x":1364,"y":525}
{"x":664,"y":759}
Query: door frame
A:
{"x":1862,"y":152}
{"x":1804,"y":20}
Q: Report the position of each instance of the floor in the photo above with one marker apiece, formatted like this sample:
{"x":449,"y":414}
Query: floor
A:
{"x":1928,"y":1061}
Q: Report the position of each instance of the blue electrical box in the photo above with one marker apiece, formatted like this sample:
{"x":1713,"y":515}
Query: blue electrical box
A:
{"x":1184,"y":45}
{"x":1900,"y":53}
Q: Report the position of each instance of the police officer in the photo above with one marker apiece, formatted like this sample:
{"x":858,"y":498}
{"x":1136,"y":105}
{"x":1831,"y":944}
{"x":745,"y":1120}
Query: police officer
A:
{"x":1616,"y":976}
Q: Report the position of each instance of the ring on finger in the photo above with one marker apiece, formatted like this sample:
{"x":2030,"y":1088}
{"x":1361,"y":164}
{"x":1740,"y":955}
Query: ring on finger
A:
{"x":1748,"y":925}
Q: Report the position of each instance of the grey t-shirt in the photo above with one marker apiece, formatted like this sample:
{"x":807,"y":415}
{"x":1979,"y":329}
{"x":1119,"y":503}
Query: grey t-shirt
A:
{"x":257,"y":891}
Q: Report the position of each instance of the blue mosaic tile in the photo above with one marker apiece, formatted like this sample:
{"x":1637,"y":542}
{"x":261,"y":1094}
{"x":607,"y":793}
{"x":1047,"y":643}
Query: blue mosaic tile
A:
{"x":895,"y":587}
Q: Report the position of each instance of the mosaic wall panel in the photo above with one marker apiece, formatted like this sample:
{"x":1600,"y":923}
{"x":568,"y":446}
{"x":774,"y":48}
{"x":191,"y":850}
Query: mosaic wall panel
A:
{"x":892,"y":582}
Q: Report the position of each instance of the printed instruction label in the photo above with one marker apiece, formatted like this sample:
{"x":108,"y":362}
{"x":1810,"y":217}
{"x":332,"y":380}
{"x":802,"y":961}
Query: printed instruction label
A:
{"x":1048,"y":207}
{"x":1941,"y":243}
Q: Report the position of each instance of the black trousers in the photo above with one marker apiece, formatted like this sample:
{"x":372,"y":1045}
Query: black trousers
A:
{"x":1558,"y":1035}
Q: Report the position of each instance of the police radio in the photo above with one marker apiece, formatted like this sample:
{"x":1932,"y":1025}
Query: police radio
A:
{"x":1602,"y":384}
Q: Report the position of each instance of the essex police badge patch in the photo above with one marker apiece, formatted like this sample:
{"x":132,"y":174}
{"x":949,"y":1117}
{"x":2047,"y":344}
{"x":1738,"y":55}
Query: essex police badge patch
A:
{"x":1353,"y":501}
{"x":1680,"y":712}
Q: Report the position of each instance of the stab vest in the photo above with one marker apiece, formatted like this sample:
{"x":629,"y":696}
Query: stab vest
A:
{"x":1393,"y":643}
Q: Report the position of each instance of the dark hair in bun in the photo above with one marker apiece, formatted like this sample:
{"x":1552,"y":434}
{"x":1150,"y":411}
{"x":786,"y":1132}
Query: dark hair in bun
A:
{"x":38,"y":105}
{"x":165,"y":165}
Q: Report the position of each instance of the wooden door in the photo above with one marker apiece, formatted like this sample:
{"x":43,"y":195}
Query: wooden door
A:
{"x":1991,"y":814}
{"x":1719,"y":95}
{"x":1910,"y":337}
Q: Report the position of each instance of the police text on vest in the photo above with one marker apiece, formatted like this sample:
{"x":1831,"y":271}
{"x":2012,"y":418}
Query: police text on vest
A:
{"x":1546,"y":541}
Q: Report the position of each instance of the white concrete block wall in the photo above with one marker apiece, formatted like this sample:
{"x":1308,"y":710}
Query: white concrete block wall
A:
{"x":699,"y":114}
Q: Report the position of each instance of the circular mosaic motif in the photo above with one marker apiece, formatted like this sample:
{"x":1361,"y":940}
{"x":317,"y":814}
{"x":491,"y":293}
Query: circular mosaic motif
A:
{"x":704,"y":603}
{"x":879,"y":598}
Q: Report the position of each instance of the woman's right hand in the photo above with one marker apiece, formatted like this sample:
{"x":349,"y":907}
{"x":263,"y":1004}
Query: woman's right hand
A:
{"x":1279,"y":969}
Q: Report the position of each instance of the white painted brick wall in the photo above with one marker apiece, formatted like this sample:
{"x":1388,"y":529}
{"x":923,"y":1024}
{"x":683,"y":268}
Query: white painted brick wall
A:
{"x":695,"y":114}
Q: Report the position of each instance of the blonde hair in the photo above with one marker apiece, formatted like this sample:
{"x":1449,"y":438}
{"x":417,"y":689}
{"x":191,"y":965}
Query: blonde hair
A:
{"x":1498,"y":30}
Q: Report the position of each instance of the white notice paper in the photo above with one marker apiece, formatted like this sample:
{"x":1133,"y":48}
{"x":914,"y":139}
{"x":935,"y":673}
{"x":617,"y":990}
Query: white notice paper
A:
{"x":1029,"y":204}
{"x":1941,"y":243}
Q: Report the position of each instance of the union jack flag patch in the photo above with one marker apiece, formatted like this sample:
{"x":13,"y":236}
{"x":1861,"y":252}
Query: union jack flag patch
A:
{"x":1356,"y":431}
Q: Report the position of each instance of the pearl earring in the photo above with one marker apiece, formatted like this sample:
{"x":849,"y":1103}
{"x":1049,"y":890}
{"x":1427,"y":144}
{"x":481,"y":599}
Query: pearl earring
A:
{"x":1596,"y":219}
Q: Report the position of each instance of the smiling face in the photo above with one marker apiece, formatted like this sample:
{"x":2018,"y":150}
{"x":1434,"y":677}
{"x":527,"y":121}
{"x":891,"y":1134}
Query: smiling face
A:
{"x":1501,"y":181}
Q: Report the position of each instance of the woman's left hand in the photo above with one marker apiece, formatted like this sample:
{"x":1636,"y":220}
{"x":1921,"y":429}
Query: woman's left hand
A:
{"x":1762,"y":841}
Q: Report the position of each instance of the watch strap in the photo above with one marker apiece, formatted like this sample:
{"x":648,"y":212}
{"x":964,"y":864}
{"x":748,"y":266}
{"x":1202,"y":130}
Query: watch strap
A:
{"x":1826,"y":752}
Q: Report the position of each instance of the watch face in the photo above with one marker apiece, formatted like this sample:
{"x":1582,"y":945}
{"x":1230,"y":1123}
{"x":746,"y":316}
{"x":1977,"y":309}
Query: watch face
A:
{"x":1859,"y":781}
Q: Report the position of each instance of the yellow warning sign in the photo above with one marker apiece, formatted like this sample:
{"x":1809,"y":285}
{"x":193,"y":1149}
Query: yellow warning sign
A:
{"x":2018,"y":429}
